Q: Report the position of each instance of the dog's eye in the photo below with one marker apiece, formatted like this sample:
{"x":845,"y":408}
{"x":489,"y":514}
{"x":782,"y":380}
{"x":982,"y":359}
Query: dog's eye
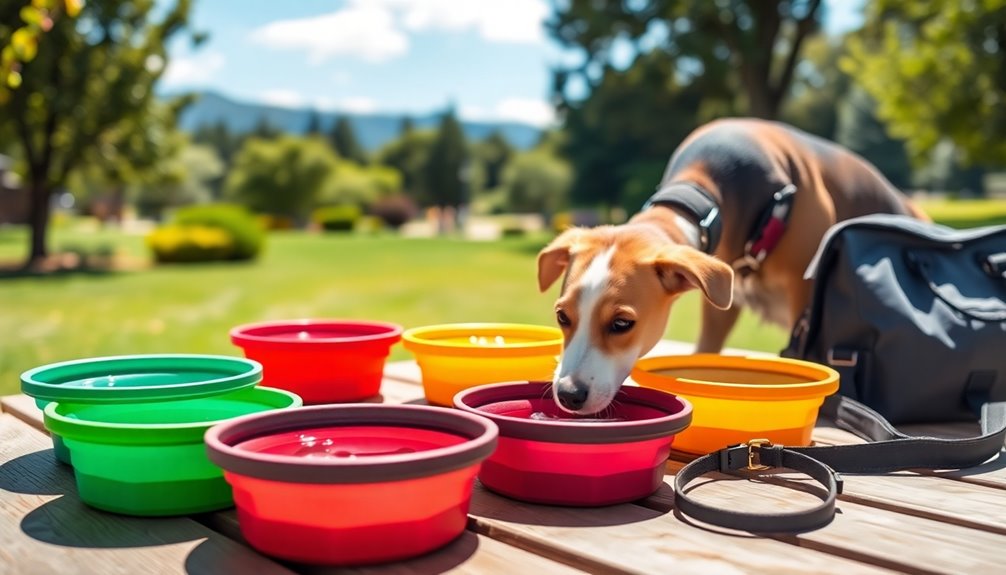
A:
{"x":562,"y":318}
{"x":621,"y":325}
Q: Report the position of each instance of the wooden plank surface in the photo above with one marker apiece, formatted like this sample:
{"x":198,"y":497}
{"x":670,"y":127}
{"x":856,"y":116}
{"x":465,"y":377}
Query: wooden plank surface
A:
{"x":634,"y":539}
{"x":44,"y":528}
{"x":927,"y":522}
{"x":871,"y":534}
{"x":471,"y":553}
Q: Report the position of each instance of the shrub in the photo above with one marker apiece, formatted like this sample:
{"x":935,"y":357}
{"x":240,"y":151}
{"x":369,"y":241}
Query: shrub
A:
{"x":190,"y":243}
{"x":562,"y":221}
{"x":395,"y":211}
{"x":244,"y":229}
{"x":337,"y":218}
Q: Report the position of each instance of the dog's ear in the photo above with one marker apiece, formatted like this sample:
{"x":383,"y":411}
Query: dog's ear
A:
{"x":681,"y":268}
{"x":553,"y":259}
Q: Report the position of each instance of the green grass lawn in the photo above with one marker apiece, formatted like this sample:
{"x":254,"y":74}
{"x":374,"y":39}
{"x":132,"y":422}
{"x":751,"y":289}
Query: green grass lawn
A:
{"x":966,"y":213}
{"x":191,"y":308}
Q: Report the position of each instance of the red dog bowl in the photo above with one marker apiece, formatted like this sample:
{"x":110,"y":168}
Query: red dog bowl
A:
{"x":547,"y":456}
{"x":352,"y":484}
{"x":322,"y":361}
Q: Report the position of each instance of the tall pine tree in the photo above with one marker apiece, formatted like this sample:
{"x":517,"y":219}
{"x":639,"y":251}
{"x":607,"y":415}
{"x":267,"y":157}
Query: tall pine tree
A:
{"x":343,"y":139}
{"x":448,"y":157}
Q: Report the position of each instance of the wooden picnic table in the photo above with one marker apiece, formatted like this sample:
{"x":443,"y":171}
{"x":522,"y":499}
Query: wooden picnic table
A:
{"x":914,"y":522}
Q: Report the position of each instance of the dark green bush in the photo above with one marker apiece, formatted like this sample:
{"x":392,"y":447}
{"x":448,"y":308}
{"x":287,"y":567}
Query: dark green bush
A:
{"x":395,"y":211}
{"x":341,"y":218}
{"x":244,"y":229}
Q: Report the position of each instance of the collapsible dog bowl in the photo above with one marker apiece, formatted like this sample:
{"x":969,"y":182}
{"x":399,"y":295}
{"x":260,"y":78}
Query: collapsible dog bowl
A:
{"x":148,"y":458}
{"x":352,"y":484}
{"x":454,"y":357}
{"x":136,"y":379}
{"x":741,"y":398}
{"x":547,"y":456}
{"x":322,"y":361}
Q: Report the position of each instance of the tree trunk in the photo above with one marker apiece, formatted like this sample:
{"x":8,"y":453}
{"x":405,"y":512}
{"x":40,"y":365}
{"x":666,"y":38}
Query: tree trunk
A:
{"x":38,"y":218}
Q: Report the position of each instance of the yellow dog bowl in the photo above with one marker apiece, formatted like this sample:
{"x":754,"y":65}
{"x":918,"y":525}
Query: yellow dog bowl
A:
{"x":736,"y":399}
{"x":454,"y":357}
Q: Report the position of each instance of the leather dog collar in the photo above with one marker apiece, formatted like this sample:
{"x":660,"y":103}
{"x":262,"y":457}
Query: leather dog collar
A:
{"x":697,"y":202}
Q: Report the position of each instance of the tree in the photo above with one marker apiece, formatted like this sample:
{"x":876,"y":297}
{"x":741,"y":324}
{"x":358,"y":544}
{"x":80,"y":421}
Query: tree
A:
{"x":819,"y":85}
{"x":20,"y":42}
{"x":183,"y":178}
{"x":265,"y":130}
{"x":493,"y":153}
{"x":751,"y":44}
{"x":448,"y":157}
{"x":225,"y":143}
{"x":313,"y":124}
{"x":89,"y":75}
{"x":409,"y":154}
{"x":861,"y":131}
{"x":408,"y":125}
{"x":537,"y":182}
{"x":281,"y":177}
{"x":344,"y":141}
{"x":352,"y":183}
{"x":937,"y":70}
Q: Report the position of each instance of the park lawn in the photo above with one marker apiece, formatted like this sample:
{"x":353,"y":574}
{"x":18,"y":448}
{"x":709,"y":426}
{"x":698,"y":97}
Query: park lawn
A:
{"x":189,"y":309}
{"x":966,"y":213}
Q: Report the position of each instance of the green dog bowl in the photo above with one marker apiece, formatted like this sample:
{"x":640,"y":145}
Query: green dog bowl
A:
{"x":136,"y":379}
{"x":148,"y":458}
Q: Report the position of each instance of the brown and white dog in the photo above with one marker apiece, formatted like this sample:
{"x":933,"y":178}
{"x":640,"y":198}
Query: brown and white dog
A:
{"x":739,"y":214}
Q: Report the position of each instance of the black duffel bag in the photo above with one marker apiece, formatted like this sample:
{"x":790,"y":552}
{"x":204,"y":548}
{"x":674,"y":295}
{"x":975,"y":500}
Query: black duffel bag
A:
{"x":912,"y":315}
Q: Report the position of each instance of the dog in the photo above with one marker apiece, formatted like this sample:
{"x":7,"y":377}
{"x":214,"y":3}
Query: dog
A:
{"x":738,"y":214}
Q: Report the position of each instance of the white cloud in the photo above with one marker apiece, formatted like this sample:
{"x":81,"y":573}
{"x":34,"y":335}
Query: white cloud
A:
{"x":362,"y":29}
{"x":518,"y":21}
{"x":195,"y":69}
{"x":374,"y":30}
{"x":524,"y":110}
{"x":282,"y":98}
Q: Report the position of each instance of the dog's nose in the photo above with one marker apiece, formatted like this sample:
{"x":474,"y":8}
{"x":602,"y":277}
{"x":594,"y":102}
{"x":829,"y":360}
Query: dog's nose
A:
{"x":573,"y":396}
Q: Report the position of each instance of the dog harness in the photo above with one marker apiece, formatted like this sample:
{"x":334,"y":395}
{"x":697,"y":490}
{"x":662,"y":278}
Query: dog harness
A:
{"x":701,"y":205}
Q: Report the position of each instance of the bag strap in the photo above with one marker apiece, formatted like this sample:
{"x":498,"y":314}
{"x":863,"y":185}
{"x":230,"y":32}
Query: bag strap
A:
{"x":889,"y":450}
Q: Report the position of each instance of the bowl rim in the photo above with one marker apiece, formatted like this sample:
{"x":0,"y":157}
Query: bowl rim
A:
{"x":822,"y":380}
{"x":32,"y":384}
{"x":153,"y":433}
{"x":244,"y":335}
{"x":481,"y":434}
{"x":570,"y":431}
{"x":428,"y":339}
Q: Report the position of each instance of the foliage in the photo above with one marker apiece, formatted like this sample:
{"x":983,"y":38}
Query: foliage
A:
{"x":183,"y":178}
{"x":187,"y":244}
{"x":339,"y":218}
{"x":344,"y":142}
{"x":753,"y":45}
{"x":408,"y":155}
{"x":281,"y":177}
{"x":351,"y":183}
{"x":859,"y":130}
{"x":89,"y":75}
{"x":395,"y":211}
{"x":937,"y":71}
{"x":537,"y":182}
{"x":240,"y":225}
{"x":20,"y":41}
{"x":443,"y":172}
{"x":492,"y":154}
{"x":819,"y":85}
{"x":265,"y":130}
{"x":313,"y":127}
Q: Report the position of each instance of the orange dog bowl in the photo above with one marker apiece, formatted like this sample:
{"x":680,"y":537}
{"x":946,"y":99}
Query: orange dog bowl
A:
{"x":454,"y":357}
{"x":736,"y":399}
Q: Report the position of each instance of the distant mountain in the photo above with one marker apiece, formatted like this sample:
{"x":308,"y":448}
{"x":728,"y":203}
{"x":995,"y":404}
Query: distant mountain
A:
{"x":372,"y":130}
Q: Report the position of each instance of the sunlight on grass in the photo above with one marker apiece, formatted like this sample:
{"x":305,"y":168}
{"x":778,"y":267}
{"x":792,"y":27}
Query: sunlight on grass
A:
{"x":189,"y":309}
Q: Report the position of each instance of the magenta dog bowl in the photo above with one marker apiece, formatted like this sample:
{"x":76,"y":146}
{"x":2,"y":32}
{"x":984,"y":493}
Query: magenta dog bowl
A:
{"x":322,"y":361}
{"x":352,"y":484}
{"x":546,"y":456}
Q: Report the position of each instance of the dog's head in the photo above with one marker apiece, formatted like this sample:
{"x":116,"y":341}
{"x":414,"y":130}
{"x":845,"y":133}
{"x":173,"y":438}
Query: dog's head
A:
{"x":619,"y":284}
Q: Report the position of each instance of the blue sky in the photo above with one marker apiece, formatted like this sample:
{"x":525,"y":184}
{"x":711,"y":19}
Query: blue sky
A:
{"x":491,"y":58}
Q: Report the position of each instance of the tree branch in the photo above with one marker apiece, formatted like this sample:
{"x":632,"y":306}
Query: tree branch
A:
{"x":803,"y":29}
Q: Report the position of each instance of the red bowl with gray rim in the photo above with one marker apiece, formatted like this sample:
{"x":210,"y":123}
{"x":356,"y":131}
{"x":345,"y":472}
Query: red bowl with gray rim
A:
{"x":352,"y":484}
{"x":321,"y":360}
{"x":547,"y":456}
